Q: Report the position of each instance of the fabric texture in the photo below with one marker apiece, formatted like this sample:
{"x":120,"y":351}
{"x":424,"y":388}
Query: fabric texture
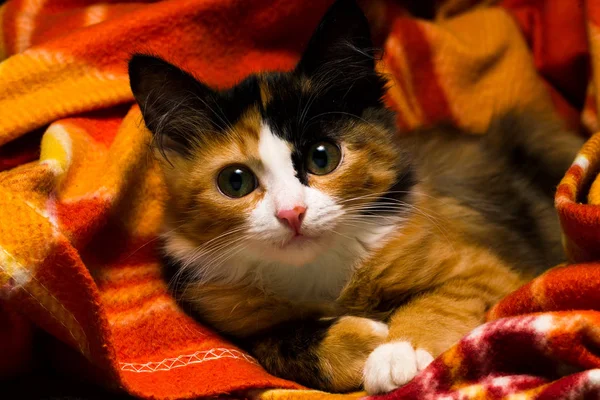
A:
{"x":81,"y":200}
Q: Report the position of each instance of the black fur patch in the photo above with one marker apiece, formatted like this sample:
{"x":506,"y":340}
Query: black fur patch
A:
{"x":179,"y":110}
{"x":290,"y":350}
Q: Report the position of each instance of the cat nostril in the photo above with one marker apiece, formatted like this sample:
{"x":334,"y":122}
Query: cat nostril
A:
{"x":292,"y":218}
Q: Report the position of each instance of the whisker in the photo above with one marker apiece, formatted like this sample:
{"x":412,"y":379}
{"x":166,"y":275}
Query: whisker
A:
{"x":206,"y":249}
{"x":222,"y":258}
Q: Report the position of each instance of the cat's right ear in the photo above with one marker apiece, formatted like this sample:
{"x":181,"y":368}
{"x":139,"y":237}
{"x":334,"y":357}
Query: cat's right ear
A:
{"x":341,"y":42}
{"x":174,"y":104}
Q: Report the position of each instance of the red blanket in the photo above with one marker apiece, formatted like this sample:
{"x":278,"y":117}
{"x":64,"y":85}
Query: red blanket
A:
{"x":79,"y":218}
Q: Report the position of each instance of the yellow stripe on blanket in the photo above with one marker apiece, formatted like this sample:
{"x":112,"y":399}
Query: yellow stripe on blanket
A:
{"x":56,"y":149}
{"x":41,"y":86}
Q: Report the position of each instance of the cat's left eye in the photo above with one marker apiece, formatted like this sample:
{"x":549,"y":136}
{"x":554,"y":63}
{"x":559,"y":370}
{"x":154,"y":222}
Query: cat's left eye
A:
{"x":236,"y":181}
{"x":323,"y":158}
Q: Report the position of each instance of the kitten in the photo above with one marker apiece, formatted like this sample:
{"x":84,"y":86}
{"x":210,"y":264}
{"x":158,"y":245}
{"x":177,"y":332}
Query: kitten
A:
{"x":339,"y":252}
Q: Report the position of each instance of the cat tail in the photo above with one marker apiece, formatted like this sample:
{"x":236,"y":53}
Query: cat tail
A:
{"x":537,"y":144}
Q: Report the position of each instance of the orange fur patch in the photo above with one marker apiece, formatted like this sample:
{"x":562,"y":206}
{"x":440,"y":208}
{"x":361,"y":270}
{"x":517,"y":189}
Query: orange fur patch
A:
{"x":450,"y":282}
{"x":344,"y":350}
{"x":371,"y":165}
{"x":198,"y":203}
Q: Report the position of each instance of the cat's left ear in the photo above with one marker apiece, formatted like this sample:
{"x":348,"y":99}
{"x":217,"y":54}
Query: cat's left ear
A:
{"x":341,"y":43}
{"x":177,"y":108}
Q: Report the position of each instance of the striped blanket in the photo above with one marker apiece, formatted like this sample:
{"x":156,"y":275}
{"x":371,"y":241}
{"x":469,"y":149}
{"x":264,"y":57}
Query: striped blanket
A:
{"x":81,"y":201}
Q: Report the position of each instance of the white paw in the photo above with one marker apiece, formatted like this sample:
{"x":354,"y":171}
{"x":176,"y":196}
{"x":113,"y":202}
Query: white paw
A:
{"x":391,"y":365}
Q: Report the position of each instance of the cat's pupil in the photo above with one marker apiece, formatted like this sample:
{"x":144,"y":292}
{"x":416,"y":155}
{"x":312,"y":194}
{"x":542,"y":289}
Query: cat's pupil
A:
{"x":236,"y":180}
{"x":320,"y":156}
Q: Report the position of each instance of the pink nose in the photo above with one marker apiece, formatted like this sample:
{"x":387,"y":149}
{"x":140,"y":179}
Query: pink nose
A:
{"x":292,"y":218}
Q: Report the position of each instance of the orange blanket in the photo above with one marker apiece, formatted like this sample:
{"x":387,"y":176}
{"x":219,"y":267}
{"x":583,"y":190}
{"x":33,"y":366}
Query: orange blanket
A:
{"x":79,"y":218}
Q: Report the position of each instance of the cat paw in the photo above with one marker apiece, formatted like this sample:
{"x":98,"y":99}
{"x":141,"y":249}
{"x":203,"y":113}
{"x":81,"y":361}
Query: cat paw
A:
{"x":392,"y":365}
{"x":345,"y":350}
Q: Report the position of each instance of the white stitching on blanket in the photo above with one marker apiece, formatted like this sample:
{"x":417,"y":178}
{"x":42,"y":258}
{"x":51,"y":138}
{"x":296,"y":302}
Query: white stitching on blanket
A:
{"x":184,"y":360}
{"x":83,"y":348}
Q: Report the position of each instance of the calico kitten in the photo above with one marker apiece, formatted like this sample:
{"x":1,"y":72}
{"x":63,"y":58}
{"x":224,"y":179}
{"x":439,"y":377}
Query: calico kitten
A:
{"x":339,"y":252}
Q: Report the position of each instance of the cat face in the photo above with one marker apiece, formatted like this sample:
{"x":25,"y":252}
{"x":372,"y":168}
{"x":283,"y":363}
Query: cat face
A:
{"x":284,"y":165}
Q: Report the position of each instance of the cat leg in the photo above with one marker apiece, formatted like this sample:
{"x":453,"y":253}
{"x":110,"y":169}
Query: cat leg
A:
{"x":327,"y":354}
{"x":429,"y":324}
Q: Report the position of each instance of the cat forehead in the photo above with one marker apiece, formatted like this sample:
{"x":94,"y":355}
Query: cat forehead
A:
{"x":296,"y":107}
{"x":281,"y":108}
{"x":249,"y":140}
{"x":293,"y":106}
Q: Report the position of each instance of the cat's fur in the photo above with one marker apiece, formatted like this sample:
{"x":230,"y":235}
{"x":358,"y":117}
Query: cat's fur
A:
{"x":411,"y":239}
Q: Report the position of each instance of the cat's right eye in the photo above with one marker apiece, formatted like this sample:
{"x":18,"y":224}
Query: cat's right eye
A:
{"x":322,"y":158}
{"x":236,"y":181}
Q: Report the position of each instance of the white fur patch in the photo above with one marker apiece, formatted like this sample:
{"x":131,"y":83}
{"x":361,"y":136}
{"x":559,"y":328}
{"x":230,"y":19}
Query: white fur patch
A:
{"x":284,"y":190}
{"x":392,"y":365}
{"x":379,"y":328}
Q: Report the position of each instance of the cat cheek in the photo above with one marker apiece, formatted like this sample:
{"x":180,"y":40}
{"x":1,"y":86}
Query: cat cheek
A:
{"x":237,"y":212}
{"x":322,"y":209}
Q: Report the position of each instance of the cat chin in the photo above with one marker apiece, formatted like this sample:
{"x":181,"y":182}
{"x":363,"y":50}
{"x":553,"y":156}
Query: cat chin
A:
{"x":297,"y":252}
{"x":295,"y":255}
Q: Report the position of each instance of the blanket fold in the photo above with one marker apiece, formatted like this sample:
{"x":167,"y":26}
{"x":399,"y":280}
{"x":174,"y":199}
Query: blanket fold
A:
{"x":81,"y":200}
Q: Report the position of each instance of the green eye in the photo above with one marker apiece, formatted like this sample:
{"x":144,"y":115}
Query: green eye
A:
{"x":236,"y":181}
{"x":322,"y":158}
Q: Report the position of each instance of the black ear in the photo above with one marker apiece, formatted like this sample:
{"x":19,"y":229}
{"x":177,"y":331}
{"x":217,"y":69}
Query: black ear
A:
{"x":176,"y":107}
{"x":342,"y":43}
